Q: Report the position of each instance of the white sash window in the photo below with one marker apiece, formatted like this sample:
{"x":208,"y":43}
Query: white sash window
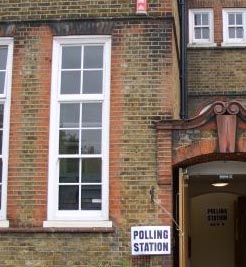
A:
{"x":234,"y":27}
{"x":79,"y":132}
{"x":201,"y":27}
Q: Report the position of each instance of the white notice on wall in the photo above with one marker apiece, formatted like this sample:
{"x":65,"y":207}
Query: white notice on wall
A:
{"x":141,"y":7}
{"x":150,"y":240}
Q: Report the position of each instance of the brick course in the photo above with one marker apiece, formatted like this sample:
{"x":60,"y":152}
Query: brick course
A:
{"x":61,"y":9}
{"x":218,"y":71}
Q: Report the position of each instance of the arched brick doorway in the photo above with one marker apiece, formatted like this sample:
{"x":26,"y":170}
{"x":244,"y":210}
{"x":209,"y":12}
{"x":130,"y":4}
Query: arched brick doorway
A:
{"x":216,"y":135}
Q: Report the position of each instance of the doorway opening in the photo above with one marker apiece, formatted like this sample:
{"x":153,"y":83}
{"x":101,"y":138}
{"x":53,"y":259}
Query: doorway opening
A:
{"x":212,"y":219}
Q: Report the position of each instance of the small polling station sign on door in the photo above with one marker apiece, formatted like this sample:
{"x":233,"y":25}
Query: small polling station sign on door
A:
{"x":150,"y":240}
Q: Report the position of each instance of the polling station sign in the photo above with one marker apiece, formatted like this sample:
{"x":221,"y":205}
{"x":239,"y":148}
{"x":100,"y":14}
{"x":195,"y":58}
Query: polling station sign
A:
{"x":150,"y":240}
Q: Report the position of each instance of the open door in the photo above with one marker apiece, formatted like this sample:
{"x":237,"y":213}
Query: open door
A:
{"x":183,"y":219}
{"x":240,"y":232}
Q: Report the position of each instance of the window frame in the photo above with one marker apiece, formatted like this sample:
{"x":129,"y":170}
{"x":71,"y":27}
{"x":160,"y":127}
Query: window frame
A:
{"x":201,"y":42}
{"x":233,"y":41}
{"x":5,"y":99}
{"x":78,"y":218}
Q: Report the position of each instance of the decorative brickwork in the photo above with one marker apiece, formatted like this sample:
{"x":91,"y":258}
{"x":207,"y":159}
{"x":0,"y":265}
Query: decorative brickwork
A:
{"x":216,"y":134}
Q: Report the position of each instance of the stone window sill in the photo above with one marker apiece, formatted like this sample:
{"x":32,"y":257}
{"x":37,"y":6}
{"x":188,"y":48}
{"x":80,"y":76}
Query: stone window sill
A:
{"x":61,"y":227}
{"x":4,"y":224}
{"x":201,"y":45}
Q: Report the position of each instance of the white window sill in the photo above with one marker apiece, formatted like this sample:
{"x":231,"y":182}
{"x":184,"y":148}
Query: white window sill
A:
{"x":233,"y":44}
{"x":202,"y":45}
{"x":77,"y":224}
{"x":4,"y":224}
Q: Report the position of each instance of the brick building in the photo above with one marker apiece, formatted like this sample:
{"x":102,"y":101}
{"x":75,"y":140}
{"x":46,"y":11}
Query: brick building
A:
{"x":112,"y":118}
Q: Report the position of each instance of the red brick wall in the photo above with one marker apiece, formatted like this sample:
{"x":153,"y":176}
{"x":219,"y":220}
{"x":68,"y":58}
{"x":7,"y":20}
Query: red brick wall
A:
{"x":29,"y":128}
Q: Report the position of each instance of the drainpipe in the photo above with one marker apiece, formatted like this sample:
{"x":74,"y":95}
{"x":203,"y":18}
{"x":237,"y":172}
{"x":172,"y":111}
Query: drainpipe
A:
{"x":183,"y":60}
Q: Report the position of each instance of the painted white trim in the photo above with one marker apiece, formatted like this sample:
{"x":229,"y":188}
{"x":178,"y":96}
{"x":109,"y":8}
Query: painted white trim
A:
{"x":235,"y":42}
{"x":217,"y":167}
{"x":234,"y":45}
{"x":53,"y":213}
{"x":6,"y":100}
{"x":202,"y":45}
{"x":197,"y":42}
{"x":77,"y":224}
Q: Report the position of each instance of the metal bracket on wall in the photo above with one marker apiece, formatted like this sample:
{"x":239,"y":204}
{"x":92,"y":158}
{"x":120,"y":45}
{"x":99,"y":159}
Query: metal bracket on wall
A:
{"x":157,"y":202}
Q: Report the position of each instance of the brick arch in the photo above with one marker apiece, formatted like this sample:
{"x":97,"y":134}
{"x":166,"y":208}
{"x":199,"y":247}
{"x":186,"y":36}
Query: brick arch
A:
{"x":204,"y":151}
{"x":196,"y":152}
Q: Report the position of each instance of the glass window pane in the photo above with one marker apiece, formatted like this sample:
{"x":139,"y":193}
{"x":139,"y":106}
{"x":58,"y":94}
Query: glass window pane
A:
{"x":91,"y":142}
{"x":1,"y":115}
{"x":198,"y":33}
{"x":2,"y":81}
{"x":239,"y":32}
{"x":198,"y":20}
{"x":68,"y":197}
{"x":3,"y":57}
{"x":91,"y":170}
{"x":69,"y":170}
{"x":92,"y":82}
{"x":69,"y":115}
{"x":92,"y":115}
{"x":205,"y":19}
{"x":231,"y":19}
{"x":232,"y":32}
{"x":93,"y":57}
{"x":205,"y":33}
{"x":71,"y":57}
{"x":70,"y":82}
{"x":91,"y":197}
{"x":69,"y":142}
{"x":239,"y":19}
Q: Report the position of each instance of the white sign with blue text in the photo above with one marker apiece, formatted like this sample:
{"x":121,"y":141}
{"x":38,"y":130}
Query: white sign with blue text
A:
{"x":150,"y":240}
